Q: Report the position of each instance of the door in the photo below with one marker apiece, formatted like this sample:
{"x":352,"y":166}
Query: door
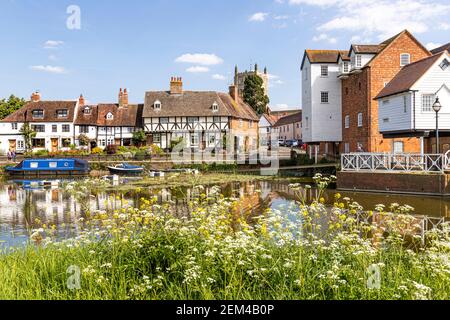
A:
{"x":54,"y":144}
{"x":12,"y":145}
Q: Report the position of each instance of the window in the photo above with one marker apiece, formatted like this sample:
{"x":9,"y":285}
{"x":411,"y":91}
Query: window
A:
{"x":87,"y":111}
{"x":427,"y":102}
{"x":215,"y":107}
{"x":358,"y":61}
{"x":347,"y":147}
{"x":405,"y":104}
{"x":157,"y":105}
{"x":324,"y":71}
{"x":347,"y":122}
{"x":386,"y":102}
{"x":194,"y":139}
{"x":156,"y":138}
{"x":65,"y":128}
{"x":20,"y":144}
{"x":267,"y":130}
{"x":444,"y":64}
{"x":212,"y":140}
{"x":307,"y":123}
{"x":63,"y":113}
{"x":14,"y":126}
{"x":241,"y":123}
{"x":103,"y":143}
{"x":324,"y":97}
{"x":110,"y":116}
{"x":164,"y":120}
{"x":360,"y":120}
{"x":66,"y":142}
{"x":346,"y":91}
{"x":130,"y":129}
{"x":110,"y":142}
{"x":345,"y":68}
{"x":405,"y":59}
{"x":398,"y":147}
{"x":54,"y":128}
{"x":84,"y":129}
{"x":193,"y":120}
{"x":38,"y":143}
{"x":38,"y":128}
{"x":216,"y":119}
{"x":38,"y":114}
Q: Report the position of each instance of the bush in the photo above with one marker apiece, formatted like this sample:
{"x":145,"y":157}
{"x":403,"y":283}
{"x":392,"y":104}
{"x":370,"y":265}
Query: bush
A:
{"x":111,"y":149}
{"x":97,"y":150}
{"x":41,"y":153}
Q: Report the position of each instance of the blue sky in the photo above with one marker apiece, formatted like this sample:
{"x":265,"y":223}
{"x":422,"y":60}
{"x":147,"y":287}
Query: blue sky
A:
{"x":140,"y":44}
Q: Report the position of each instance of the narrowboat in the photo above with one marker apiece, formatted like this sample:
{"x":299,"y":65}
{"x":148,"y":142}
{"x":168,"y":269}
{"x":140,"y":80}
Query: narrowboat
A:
{"x":50,"y":167}
{"x":126,"y":169}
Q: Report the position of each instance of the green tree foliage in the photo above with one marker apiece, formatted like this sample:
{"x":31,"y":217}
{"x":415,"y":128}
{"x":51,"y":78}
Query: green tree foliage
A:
{"x":139,"y":138}
{"x":10,"y":105}
{"x":84,"y":140}
{"x":254,"y":94}
{"x":28,"y":135}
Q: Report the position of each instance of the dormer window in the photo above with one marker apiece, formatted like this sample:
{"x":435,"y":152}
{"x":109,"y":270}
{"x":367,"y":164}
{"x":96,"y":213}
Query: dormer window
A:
{"x":444,"y":64}
{"x":324,"y":71}
{"x":405,"y":59}
{"x":63,"y":113}
{"x":38,"y":114}
{"x":345,"y":68}
{"x":87,"y":111}
{"x":157,"y":105}
{"x":215,"y":107}
{"x":358,"y":61}
{"x":110,"y":116}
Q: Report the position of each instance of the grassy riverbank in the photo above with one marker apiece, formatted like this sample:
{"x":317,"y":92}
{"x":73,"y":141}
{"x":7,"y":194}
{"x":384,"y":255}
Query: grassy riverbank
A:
{"x":299,"y":252}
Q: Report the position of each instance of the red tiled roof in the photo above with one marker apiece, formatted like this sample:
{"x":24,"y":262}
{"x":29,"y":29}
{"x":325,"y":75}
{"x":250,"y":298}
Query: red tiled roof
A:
{"x":126,"y":116}
{"x":293,"y":118}
{"x":50,"y":109}
{"x":441,"y":49}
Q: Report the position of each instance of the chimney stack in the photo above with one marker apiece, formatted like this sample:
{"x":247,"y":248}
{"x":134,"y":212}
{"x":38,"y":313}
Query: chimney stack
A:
{"x":124,"y":101}
{"x":234,"y":93}
{"x":81,"y":101}
{"x":35,"y":97}
{"x":176,"y":85}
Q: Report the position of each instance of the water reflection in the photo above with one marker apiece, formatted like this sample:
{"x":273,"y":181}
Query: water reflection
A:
{"x":20,"y":209}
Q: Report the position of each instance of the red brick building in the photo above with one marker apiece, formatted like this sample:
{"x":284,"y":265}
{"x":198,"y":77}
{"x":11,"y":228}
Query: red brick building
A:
{"x":372,"y":67}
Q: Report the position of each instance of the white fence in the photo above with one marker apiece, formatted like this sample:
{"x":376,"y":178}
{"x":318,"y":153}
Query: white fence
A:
{"x":395,"y":162}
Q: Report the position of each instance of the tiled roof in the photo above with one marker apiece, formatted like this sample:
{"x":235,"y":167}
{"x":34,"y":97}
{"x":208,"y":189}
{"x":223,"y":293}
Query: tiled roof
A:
{"x":408,"y":76}
{"x":442,"y":48}
{"x":270,"y":118}
{"x":367,"y":48}
{"x":196,"y":103}
{"x":50,"y":108}
{"x":293,"y":118}
{"x":324,"y":56}
{"x":126,"y":116}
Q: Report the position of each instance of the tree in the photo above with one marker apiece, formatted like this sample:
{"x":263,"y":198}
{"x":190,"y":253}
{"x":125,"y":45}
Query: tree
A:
{"x":10,"y":106}
{"x":139,"y":138}
{"x":254,"y":94}
{"x":28,"y":135}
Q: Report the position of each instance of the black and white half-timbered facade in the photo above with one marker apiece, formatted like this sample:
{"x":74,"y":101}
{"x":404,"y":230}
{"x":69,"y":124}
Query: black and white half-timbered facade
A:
{"x":201,"y":119}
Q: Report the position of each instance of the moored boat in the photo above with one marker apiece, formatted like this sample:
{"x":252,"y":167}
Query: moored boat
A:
{"x":125,"y":169}
{"x":49,"y":167}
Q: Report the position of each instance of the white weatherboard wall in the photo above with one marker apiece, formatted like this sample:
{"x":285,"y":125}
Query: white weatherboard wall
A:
{"x":434,"y":81}
{"x":324,"y":119}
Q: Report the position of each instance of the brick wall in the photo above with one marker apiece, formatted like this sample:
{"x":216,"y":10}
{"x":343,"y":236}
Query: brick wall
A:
{"x":359,"y":90}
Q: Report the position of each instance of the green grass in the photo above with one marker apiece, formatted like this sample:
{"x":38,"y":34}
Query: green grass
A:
{"x":219,"y":253}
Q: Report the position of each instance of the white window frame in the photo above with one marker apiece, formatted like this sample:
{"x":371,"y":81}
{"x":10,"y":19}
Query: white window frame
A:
{"x":157,"y":105}
{"x":405,"y":104}
{"x":444,"y":64}
{"x":358,"y":61}
{"x":395,"y":148}
{"x":324,"y":94}
{"x":404,"y":56}
{"x":14,"y":126}
{"x":109,"y":116}
{"x":427,"y":102}
{"x":360,"y":120}
{"x":324,"y":71}
{"x":347,"y":122}
{"x":195,"y":141}
{"x":215,"y":107}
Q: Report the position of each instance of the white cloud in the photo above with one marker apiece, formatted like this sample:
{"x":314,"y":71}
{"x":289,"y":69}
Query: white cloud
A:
{"x":197,"y":69}
{"x":432,"y":45}
{"x":444,"y":26}
{"x":200,"y":58}
{"x":274,"y":80}
{"x":53,"y":44}
{"x":49,"y":69}
{"x":258,"y":17}
{"x":219,"y":77}
{"x":382,"y":18}
{"x":281,"y":17}
{"x":52,"y":57}
{"x":325,"y":37}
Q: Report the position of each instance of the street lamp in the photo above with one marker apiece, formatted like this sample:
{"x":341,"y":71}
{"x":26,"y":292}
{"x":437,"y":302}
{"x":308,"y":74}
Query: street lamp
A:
{"x":437,"y":107}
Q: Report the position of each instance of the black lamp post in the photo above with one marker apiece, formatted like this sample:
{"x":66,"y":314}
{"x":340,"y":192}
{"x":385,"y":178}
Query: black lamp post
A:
{"x":437,"y":107}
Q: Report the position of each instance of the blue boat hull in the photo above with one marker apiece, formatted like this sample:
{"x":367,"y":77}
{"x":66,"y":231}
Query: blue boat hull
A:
{"x":50,"y":167}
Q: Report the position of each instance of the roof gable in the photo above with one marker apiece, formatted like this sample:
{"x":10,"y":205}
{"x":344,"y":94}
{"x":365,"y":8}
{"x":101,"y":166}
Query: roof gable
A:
{"x":50,"y":109}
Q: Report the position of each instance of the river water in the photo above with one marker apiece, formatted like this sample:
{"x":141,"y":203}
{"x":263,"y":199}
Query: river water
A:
{"x":20,"y":209}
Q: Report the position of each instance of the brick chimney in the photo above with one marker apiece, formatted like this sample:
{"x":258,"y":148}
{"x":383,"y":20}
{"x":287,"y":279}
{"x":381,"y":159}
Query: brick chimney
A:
{"x":176,"y":85}
{"x":123,"y":98}
{"x":234,"y":92}
{"x":81,"y":101}
{"x":35,"y":97}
